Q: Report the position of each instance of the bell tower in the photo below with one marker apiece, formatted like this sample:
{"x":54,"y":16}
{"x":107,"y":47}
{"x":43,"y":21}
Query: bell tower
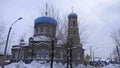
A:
{"x":76,"y":51}
{"x":73,"y":30}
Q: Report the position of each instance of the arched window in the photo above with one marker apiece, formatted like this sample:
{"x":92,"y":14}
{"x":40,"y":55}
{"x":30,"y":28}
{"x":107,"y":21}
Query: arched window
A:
{"x":78,"y":55}
{"x":44,"y":30}
{"x":74,"y":23}
{"x":74,"y":32}
{"x":50,"y":30}
{"x":38,"y":54}
{"x":38,"y":30}
{"x":16,"y":55}
{"x":61,"y":55}
{"x":44,"y":53}
{"x":41,"y":30}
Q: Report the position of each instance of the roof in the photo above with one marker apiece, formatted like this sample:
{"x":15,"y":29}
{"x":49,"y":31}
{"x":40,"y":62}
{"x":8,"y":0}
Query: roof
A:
{"x":72,"y":15}
{"x":60,"y":42}
{"x":45,"y":19}
{"x":41,"y":38}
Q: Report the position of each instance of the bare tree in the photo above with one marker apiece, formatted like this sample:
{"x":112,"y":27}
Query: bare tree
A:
{"x":116,"y":37}
{"x":61,"y":29}
{"x":85,"y":30}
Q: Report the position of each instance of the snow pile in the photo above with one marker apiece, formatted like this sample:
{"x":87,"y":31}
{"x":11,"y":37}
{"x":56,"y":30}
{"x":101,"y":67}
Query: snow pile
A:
{"x":112,"y":66}
{"x":20,"y":64}
{"x":82,"y":66}
{"x":34,"y":64}
{"x":58,"y":65}
{"x":43,"y":64}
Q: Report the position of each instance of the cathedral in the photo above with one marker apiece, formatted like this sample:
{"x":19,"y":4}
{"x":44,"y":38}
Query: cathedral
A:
{"x":43,"y":43}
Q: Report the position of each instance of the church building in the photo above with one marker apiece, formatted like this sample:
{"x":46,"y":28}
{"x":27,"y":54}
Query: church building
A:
{"x":41,"y":44}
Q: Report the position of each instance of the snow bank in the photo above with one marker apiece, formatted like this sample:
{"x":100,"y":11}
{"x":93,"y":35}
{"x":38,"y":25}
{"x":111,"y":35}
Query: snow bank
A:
{"x":112,"y":66}
{"x":20,"y":64}
{"x":82,"y":66}
{"x":43,"y":64}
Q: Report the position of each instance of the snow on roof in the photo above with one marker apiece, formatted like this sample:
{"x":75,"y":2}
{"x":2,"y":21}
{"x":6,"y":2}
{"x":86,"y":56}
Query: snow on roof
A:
{"x":16,"y":47}
{"x":60,"y":42}
{"x":99,"y":59}
{"x":41,"y":38}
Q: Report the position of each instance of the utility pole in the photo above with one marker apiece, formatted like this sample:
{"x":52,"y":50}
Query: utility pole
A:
{"x":110,"y":58}
{"x":118,"y":54}
{"x":91,"y":53}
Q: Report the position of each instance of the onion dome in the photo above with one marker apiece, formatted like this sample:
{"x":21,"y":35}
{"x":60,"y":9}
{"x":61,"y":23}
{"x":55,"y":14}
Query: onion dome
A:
{"x":45,"y":19}
{"x":72,"y":15}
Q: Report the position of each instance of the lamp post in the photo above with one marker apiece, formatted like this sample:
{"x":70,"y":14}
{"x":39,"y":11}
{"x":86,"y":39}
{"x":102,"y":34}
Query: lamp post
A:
{"x":4,"y":56}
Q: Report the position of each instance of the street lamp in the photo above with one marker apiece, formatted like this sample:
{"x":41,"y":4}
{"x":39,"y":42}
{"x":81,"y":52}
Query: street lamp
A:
{"x":4,"y":56}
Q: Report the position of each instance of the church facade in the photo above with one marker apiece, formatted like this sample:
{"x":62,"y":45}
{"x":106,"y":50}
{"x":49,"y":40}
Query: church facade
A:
{"x":40,"y":46}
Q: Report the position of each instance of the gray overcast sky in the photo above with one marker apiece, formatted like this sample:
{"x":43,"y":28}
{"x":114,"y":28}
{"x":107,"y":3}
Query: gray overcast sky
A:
{"x":103,"y":15}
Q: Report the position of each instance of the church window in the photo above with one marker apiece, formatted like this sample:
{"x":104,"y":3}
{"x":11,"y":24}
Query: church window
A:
{"x":44,"y":53}
{"x":73,"y":23}
{"x":16,"y":55}
{"x":22,"y":54}
{"x":50,"y":30}
{"x":41,"y":29}
{"x":38,"y":30}
{"x":74,"y":32}
{"x":78,"y":55}
{"x":38,"y":54}
{"x":61,"y":55}
{"x":44,"y":30}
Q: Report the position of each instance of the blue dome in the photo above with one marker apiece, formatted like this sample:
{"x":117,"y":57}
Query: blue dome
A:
{"x":45,"y":19}
{"x":72,"y":15}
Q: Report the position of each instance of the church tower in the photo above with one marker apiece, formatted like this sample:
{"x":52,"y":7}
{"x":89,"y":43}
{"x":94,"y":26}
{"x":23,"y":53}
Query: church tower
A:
{"x":73,"y":30}
{"x":77,"y":52}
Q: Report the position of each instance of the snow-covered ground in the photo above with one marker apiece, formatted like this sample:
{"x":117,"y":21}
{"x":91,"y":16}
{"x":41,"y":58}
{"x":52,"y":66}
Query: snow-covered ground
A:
{"x":38,"y":64}
{"x":112,"y":66}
